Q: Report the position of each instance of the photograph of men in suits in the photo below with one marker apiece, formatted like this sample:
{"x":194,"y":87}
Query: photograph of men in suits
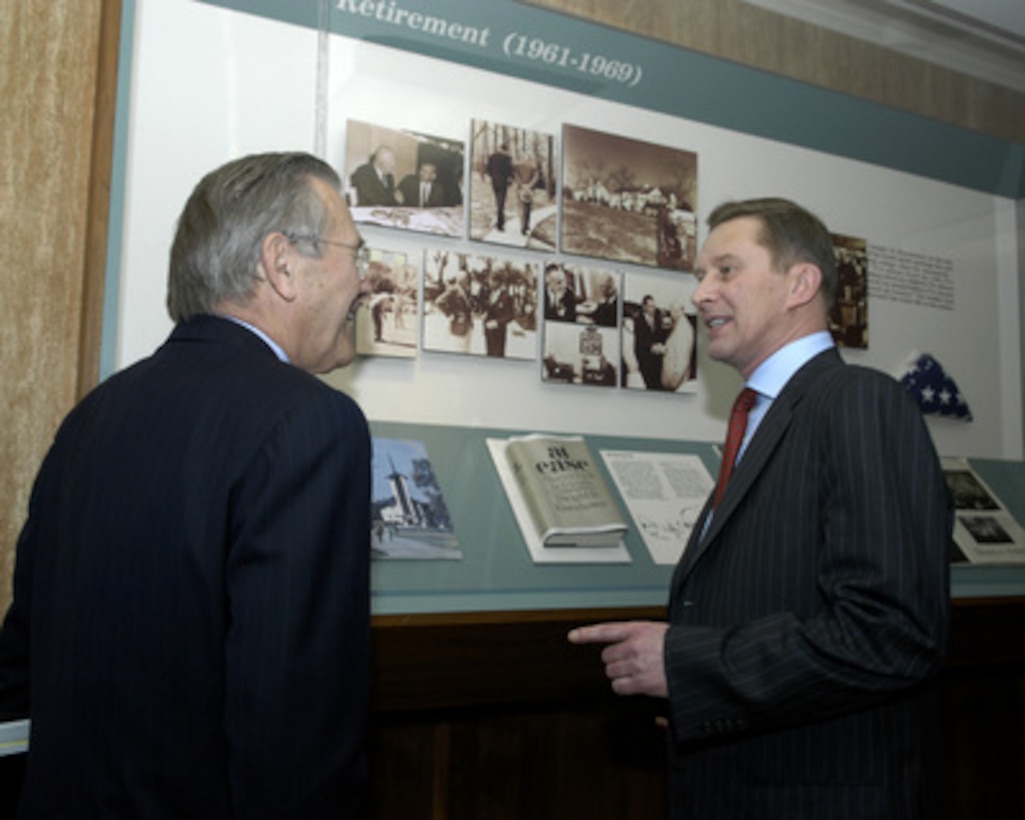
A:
{"x":499,"y":170}
{"x":189,"y":633}
{"x":809,"y":610}
{"x":650,"y":334}
{"x":560,"y":300}
{"x":422,"y":189}
{"x":373,"y":182}
{"x":499,"y":311}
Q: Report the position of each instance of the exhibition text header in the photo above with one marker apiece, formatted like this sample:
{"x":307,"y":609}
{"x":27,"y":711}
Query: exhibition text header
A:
{"x":388,"y":11}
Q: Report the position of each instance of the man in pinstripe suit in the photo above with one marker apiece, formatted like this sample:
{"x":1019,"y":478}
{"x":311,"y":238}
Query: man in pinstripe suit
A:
{"x":190,"y":626}
{"x":809,"y":609}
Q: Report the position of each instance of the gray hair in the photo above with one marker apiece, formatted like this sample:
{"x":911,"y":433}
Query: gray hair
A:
{"x":217,"y":245}
{"x":791,"y":233}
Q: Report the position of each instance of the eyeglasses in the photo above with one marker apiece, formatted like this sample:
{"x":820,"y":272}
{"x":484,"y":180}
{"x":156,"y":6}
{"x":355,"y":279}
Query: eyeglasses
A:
{"x":361,"y":253}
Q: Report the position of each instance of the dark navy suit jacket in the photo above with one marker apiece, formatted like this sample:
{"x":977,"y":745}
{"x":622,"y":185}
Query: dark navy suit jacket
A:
{"x":190,"y":625}
{"x":805,"y":620}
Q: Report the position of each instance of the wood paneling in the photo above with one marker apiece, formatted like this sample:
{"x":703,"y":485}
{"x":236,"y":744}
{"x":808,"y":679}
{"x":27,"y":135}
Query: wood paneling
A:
{"x":495,"y":715}
{"x":747,"y":34}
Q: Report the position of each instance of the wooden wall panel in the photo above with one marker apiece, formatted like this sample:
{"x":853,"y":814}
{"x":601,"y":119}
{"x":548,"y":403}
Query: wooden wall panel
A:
{"x":55,"y":141}
{"x":495,"y":715}
{"x":763,"y":39}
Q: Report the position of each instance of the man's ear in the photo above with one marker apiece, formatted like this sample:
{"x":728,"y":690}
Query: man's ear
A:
{"x":276,"y":255}
{"x":805,"y":283}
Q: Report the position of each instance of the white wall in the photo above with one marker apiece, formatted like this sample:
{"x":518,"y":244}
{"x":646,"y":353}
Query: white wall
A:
{"x":210,"y":84}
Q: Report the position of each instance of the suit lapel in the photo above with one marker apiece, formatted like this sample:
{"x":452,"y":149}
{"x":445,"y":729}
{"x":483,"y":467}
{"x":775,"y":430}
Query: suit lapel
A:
{"x":759,"y":450}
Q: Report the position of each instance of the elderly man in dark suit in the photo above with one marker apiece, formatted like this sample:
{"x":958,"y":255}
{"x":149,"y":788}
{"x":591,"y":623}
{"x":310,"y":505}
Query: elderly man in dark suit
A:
{"x":810,"y":607}
{"x":189,"y":633}
{"x":373,"y":183}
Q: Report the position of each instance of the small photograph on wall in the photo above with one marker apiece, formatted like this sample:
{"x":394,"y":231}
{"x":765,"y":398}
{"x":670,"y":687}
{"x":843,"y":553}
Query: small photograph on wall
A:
{"x":405,"y":180}
{"x":628,"y":201}
{"x":581,"y":325}
{"x":479,"y":305}
{"x":388,"y":322}
{"x":580,"y":354}
{"x":848,"y":320}
{"x":659,"y":331}
{"x":582,"y":295}
{"x":512,"y":186}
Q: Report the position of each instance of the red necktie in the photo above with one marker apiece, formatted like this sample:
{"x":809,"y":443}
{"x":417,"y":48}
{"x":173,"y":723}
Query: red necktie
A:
{"x":734,"y":436}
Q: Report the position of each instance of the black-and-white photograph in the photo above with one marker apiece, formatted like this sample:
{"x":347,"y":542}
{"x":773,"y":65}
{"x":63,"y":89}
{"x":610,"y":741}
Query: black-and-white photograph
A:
{"x":512,"y":186}
{"x":985,"y":529}
{"x":479,"y":305}
{"x":403,"y":179}
{"x":388,"y":321}
{"x":581,"y":295}
{"x":967,"y":493}
{"x":659,"y":331}
{"x":848,"y":320}
{"x":628,"y":201}
{"x":576,"y":353}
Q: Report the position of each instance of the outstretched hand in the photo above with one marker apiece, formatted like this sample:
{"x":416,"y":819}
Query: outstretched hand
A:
{"x":633,"y":659}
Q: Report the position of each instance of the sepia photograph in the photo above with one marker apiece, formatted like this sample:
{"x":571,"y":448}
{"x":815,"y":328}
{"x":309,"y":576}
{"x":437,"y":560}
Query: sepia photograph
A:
{"x":512,"y":186}
{"x":388,"y":321}
{"x":848,"y":319}
{"x":403,"y":179}
{"x":580,"y":354}
{"x":659,"y":332}
{"x":582,"y":295}
{"x":628,"y":201}
{"x":479,"y":305}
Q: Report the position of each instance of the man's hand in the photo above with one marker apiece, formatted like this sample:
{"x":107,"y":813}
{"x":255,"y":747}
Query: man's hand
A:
{"x":634,"y":657}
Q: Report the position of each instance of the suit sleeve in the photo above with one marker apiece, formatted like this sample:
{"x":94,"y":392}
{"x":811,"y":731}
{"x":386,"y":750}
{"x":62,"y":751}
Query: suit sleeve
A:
{"x":297,"y":654}
{"x":863,"y":506}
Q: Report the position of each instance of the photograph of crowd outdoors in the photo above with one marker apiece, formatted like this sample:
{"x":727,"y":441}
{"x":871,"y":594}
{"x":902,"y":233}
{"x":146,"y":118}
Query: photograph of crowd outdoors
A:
{"x":388,"y":321}
{"x":848,"y":320}
{"x":628,"y":201}
{"x":581,"y":321}
{"x":659,"y":329}
{"x":512,"y":186}
{"x":405,"y":180}
{"x":479,"y":305}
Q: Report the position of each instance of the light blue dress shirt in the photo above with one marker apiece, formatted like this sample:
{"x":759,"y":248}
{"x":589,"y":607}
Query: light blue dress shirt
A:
{"x":771,"y":376}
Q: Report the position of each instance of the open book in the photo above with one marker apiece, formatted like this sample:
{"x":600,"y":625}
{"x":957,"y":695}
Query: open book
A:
{"x":560,"y":497}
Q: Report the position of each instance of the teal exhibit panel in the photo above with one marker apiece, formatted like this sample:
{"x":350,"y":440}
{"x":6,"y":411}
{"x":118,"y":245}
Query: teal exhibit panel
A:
{"x":496,"y":571}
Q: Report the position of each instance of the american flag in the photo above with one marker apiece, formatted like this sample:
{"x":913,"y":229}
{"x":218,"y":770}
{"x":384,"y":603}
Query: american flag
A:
{"x":935,"y":391}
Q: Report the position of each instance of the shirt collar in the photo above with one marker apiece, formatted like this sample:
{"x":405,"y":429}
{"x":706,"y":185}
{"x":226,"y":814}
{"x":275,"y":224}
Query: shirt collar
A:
{"x":278,"y":350}
{"x":772,"y":374}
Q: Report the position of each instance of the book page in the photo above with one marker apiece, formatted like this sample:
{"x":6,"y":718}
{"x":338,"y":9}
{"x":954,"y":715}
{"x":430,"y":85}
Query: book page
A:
{"x":665,"y":493}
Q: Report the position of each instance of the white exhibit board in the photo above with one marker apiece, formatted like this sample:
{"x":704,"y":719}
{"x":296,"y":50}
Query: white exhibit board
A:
{"x":208,"y":84}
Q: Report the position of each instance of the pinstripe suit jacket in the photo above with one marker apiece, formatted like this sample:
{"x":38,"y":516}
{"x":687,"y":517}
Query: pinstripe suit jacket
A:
{"x":807,"y":620}
{"x":191,"y":617}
